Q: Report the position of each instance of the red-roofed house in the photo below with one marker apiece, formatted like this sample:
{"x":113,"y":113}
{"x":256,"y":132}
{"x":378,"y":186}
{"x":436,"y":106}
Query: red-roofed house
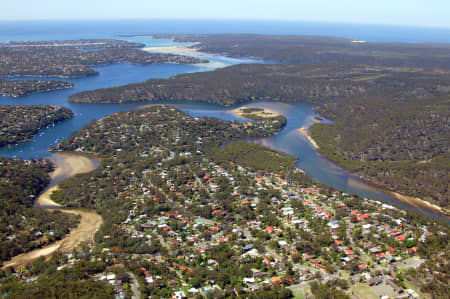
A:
{"x":362,"y":267}
{"x":349,"y":252}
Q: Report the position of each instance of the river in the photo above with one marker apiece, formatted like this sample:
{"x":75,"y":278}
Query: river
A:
{"x":66,"y":165}
{"x":289,"y":140}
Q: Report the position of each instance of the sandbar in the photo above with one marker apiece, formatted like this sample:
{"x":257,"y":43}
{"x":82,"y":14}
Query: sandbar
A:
{"x":417,"y":202}
{"x":265,"y":113}
{"x":180,"y":50}
{"x":305,"y":132}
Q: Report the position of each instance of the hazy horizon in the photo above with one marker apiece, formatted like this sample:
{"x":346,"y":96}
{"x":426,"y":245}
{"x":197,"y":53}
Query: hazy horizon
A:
{"x":412,"y":13}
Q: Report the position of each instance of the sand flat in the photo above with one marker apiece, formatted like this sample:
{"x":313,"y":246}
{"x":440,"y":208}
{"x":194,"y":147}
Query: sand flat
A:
{"x":67,"y":165}
{"x":417,"y":202}
{"x":305,"y":132}
{"x":180,"y":50}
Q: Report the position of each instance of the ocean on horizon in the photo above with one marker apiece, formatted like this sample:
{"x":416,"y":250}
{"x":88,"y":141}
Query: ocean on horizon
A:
{"x":77,"y":29}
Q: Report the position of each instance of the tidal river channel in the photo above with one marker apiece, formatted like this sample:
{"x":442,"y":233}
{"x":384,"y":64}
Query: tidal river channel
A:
{"x":289,"y":140}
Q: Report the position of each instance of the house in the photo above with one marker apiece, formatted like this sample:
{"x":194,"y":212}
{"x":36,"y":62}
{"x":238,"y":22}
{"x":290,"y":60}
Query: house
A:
{"x":247,"y":247}
{"x":338,"y":243}
{"x":179,"y":295}
{"x":362,"y":267}
{"x":349,"y":252}
{"x":401,"y":238}
{"x":283,"y":244}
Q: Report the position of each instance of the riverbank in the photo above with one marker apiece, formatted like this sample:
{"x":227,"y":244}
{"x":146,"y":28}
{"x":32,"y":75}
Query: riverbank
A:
{"x":67,"y":165}
{"x":420,"y":203}
{"x":305,"y":132}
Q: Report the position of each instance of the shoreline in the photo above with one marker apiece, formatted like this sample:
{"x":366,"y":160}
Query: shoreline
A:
{"x":186,"y":51}
{"x":414,"y":201}
{"x":67,"y":165}
{"x":419,"y":203}
{"x":180,"y":50}
{"x":305,"y":132}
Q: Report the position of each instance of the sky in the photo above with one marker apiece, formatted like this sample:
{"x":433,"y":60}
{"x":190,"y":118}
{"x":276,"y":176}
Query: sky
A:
{"x":422,"y":13}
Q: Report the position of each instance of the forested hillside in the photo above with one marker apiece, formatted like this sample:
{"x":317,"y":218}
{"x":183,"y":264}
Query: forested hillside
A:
{"x":390,"y":123}
{"x":320,"y":49}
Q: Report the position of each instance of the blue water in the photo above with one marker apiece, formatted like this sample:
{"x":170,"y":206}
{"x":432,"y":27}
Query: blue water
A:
{"x":110,"y":76}
{"x":289,"y":140}
{"x":59,"y":30}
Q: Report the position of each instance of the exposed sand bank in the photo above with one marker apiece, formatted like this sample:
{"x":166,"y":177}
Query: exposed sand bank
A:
{"x":180,"y":50}
{"x":187,"y":51}
{"x":265,"y":113}
{"x":417,"y":202}
{"x":305,"y":132}
{"x":67,"y":165}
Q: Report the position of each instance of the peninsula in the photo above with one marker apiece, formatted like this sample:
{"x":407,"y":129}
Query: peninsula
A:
{"x":21,"y":123}
{"x":75,"y":59}
{"x":20,"y":88}
{"x":318,"y":49}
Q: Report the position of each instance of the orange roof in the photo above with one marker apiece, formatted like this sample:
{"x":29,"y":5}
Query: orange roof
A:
{"x":401,"y":238}
{"x":349,"y":251}
{"x":276,"y":280}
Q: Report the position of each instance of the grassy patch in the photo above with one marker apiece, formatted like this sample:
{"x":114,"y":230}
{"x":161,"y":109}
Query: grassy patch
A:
{"x":344,"y":274}
{"x":364,"y":291}
{"x":298,"y":295}
{"x":411,"y":285}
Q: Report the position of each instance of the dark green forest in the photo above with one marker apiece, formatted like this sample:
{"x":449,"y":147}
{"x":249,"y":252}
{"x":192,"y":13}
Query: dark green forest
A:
{"x":254,"y":156}
{"x":319,"y":50}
